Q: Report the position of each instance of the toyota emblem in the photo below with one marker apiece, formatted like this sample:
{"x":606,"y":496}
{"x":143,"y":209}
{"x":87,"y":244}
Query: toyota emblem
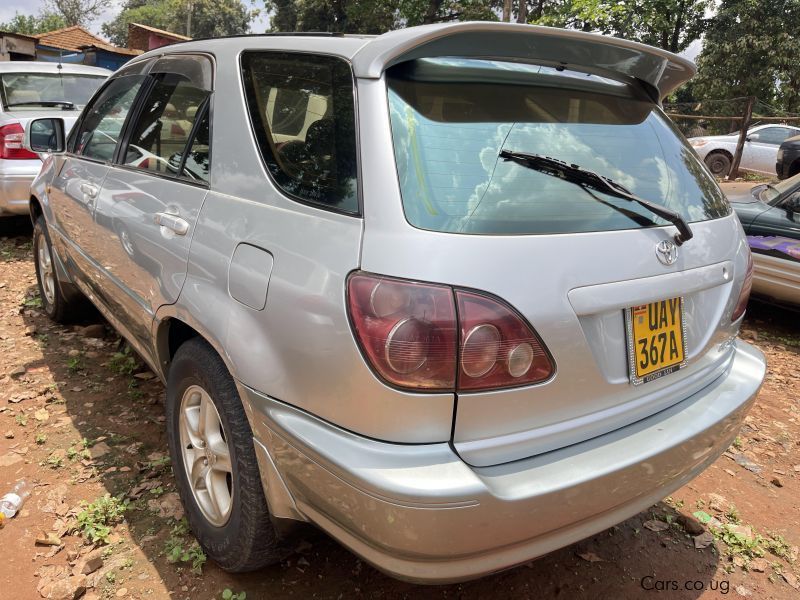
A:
{"x":667,"y":252}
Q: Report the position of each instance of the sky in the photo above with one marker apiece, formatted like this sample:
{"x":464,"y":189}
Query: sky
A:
{"x":9,"y":7}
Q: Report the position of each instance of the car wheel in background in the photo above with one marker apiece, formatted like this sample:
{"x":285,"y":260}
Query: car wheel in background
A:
{"x":58,"y":306}
{"x":211,"y":446}
{"x":719,"y":163}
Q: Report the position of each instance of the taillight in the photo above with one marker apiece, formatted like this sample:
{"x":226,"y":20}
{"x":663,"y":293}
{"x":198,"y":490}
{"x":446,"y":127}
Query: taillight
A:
{"x":744,"y":294}
{"x":407,"y":330}
{"x":498,"y":348}
{"x":11,"y":137}
{"x":413,"y":337}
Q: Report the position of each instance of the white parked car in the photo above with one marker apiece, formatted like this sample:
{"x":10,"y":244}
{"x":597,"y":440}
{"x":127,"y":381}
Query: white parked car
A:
{"x":760,"y":149}
{"x":30,"y":90}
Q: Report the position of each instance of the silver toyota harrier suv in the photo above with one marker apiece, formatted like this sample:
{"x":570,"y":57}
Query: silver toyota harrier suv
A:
{"x":459,"y":294}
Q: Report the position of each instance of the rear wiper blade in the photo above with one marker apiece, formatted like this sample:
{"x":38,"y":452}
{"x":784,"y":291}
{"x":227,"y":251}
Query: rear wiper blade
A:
{"x":61,"y":103}
{"x":591,"y":180}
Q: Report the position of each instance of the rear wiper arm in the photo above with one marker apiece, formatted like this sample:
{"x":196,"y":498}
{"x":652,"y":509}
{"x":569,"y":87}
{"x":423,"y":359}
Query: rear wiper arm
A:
{"x":591,"y":180}
{"x":61,"y":103}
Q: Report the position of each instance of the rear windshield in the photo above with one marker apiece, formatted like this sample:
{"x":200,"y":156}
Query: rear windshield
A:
{"x":452,"y":117}
{"x":30,"y":90}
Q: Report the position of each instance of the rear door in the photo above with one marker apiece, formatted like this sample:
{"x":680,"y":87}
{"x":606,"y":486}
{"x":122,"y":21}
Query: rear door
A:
{"x":152,"y":195}
{"x":576,"y":263}
{"x":74,"y":192}
{"x":761,"y":149}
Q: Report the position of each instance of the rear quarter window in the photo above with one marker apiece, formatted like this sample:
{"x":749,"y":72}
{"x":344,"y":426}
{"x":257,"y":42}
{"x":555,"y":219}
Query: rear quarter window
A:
{"x":302,"y":110}
{"x":451,"y":118}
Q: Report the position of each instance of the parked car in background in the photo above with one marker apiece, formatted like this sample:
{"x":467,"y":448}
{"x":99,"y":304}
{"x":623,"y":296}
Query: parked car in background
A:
{"x":386,"y":300}
{"x":758,"y":156}
{"x":787,"y":163}
{"x":30,"y":90}
{"x":770,"y":215}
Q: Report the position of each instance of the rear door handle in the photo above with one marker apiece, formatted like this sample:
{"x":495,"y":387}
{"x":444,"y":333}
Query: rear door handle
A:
{"x":89,"y":190}
{"x":172,"y":222}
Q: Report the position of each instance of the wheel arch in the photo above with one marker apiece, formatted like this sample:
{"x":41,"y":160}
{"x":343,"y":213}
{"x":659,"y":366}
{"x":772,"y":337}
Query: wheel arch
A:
{"x":172,"y":327}
{"x":719,"y":151}
{"x":35,"y":209}
{"x":794,"y":167}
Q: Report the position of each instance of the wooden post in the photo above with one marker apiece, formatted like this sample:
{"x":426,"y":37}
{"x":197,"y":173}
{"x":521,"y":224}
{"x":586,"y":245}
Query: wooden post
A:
{"x":737,"y":157}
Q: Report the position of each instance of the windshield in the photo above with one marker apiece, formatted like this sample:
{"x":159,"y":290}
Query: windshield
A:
{"x":779,"y":189}
{"x":39,"y":89}
{"x":451,"y":119}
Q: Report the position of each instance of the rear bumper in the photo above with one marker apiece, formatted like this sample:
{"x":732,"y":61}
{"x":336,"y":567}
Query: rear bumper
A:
{"x":420,"y":513}
{"x":16,"y":177}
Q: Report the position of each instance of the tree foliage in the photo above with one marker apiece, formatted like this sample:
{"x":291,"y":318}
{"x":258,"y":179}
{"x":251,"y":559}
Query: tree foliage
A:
{"x":372,"y":16}
{"x":34,"y":24}
{"x":76,"y":12}
{"x":668,"y":24}
{"x":751,"y":49}
{"x":209,"y":18}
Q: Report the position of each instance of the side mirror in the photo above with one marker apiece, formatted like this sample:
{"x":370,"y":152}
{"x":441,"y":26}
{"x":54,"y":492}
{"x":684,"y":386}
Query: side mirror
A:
{"x":45,"y":135}
{"x":792,"y":206}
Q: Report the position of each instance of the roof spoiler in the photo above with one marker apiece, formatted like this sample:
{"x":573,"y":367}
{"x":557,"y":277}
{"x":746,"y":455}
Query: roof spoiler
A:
{"x":660,"y":71}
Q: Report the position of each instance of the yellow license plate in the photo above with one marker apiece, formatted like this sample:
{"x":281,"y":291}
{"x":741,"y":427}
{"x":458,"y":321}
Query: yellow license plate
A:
{"x":656,"y":340}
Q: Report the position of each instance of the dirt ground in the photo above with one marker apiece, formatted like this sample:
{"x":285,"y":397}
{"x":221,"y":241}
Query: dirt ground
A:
{"x":82,"y":418}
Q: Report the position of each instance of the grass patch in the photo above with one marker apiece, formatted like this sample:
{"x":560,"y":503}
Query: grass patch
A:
{"x":96,"y":519}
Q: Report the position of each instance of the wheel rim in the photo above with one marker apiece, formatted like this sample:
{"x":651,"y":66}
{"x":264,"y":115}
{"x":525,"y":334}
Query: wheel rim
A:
{"x":46,"y":276}
{"x":125,"y":239}
{"x":718,"y":166}
{"x":206,"y":456}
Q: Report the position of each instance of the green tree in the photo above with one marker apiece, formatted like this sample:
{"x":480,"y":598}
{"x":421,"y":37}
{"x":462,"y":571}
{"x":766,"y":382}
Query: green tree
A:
{"x":209,"y":18}
{"x":34,"y":24}
{"x":372,"y":16}
{"x":668,"y":24}
{"x":76,"y":12}
{"x":751,"y":49}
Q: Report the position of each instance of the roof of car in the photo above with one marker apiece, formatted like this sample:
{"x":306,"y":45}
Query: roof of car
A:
{"x":372,"y":55}
{"x":23,"y":66}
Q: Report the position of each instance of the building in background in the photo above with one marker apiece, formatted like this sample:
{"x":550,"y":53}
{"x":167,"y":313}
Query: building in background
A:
{"x":144,"y":38}
{"x":16,"y":46}
{"x":79,"y":46}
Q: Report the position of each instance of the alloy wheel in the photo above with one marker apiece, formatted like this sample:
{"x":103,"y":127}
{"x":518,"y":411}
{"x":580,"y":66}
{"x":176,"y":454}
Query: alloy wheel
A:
{"x":206,"y":456}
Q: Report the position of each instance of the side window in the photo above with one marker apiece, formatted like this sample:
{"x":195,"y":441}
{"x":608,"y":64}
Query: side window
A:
{"x":160,"y":135}
{"x":102,"y":121}
{"x":772,"y":135}
{"x":198,"y":158}
{"x":302,"y":109}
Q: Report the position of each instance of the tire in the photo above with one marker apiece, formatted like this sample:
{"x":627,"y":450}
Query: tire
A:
{"x":60,"y":307}
{"x":235,"y":530}
{"x":719,"y":163}
{"x":126,"y":240}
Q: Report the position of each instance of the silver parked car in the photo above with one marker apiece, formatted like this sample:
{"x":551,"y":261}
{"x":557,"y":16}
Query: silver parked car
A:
{"x":30,"y":90}
{"x":758,"y":156}
{"x":458,"y":294}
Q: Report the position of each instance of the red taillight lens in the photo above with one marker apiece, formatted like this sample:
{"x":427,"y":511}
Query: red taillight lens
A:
{"x":11,"y":137}
{"x":744,"y":295}
{"x":498,"y":348}
{"x":410,"y":335}
{"x":407,"y":330}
